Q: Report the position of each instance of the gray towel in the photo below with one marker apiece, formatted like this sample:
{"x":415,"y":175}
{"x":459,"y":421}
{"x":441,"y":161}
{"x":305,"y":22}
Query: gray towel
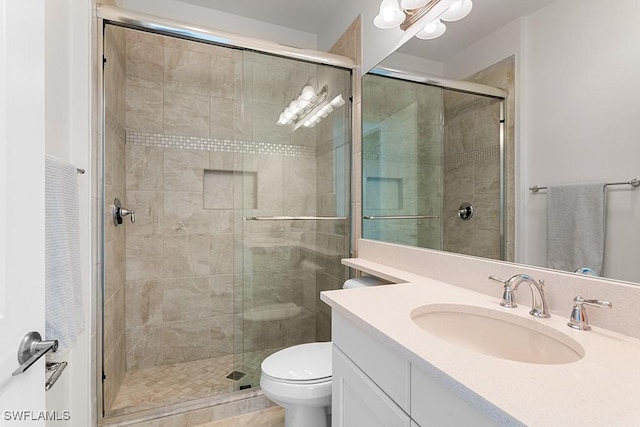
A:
{"x":63,"y":295}
{"x":576,"y":226}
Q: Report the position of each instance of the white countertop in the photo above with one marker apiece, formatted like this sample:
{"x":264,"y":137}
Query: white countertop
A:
{"x":601,"y":389}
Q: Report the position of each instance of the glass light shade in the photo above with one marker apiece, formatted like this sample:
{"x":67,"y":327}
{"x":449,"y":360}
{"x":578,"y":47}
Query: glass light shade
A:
{"x":432,"y":30}
{"x":413,"y":4}
{"x":458,"y":10}
{"x":308,"y":93}
{"x":390,"y":15}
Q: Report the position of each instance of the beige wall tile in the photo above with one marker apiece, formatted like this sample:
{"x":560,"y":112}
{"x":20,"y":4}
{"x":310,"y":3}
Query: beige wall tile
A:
{"x":222,"y":120}
{"x":186,"y":256}
{"x":144,"y":302}
{"x":197,"y":339}
{"x":144,"y":167}
{"x":149,"y":212}
{"x":187,"y":298}
{"x":186,"y":114}
{"x":144,"y":346}
{"x":145,"y":65}
{"x":221,"y":254}
{"x":144,"y":257}
{"x":221,"y":291}
{"x":222,"y":75}
{"x":145,"y":109}
{"x":184,"y":213}
{"x":184,"y":169}
{"x":186,"y":72}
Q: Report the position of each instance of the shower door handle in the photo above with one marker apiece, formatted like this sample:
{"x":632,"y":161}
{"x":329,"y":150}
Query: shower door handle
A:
{"x":31,"y":349}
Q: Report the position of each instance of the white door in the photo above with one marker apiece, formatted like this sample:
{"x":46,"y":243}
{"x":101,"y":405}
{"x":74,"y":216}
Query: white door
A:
{"x":21,"y":204}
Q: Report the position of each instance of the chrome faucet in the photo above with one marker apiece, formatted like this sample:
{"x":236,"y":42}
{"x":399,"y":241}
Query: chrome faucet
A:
{"x":539,"y":306}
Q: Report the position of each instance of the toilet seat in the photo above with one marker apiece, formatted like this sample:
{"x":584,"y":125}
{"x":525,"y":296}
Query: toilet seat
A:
{"x":300,"y":364}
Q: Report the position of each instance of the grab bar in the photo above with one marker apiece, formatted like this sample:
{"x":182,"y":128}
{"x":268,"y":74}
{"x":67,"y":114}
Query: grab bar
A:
{"x":293,"y":218}
{"x":402,"y":217}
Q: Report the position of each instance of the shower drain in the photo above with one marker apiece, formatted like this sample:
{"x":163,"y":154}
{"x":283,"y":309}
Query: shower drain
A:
{"x":236,"y":375}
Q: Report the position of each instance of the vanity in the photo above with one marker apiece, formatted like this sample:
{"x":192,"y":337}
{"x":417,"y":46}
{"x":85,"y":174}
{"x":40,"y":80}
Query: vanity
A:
{"x":408,"y":355}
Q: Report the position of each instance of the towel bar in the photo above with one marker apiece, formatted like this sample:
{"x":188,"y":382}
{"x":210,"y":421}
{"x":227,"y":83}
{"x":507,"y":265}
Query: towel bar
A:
{"x":635,"y":182}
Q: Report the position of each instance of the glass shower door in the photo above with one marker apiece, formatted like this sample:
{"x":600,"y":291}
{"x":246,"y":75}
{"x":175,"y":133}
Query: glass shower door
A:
{"x":293,"y":226}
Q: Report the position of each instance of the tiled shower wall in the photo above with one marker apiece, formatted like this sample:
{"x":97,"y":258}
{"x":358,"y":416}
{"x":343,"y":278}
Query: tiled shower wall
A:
{"x":203,"y":150}
{"x":114,"y":180}
{"x":402,"y":167}
{"x":472,"y":166}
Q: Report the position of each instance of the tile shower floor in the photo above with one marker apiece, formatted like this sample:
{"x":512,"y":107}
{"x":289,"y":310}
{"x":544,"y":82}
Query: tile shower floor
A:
{"x":164,"y":385}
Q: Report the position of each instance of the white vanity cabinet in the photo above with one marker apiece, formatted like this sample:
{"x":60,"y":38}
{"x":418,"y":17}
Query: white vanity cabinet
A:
{"x":374,"y":386}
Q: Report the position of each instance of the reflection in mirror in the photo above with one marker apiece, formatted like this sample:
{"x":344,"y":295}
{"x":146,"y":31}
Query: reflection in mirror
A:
{"x":575,"y":124}
{"x":432,"y":163}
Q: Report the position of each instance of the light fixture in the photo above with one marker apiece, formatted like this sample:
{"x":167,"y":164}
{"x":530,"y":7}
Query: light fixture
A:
{"x":415,"y":10}
{"x":432,"y":30}
{"x":390,"y":15}
{"x":413,"y":4}
{"x":458,"y":10}
{"x":309,"y":107}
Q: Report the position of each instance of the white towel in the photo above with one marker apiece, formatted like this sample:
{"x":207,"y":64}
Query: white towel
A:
{"x":64,"y":317}
{"x":576,"y":226}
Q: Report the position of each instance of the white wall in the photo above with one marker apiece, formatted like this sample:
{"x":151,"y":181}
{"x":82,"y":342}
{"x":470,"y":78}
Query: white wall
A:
{"x":67,"y":137}
{"x":223,"y":21}
{"x":404,"y":62}
{"x":582,"y":107}
{"x":578,"y":99}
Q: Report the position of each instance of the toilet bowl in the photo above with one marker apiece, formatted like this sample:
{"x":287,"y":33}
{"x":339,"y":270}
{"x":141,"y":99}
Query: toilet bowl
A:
{"x":298,"y":378}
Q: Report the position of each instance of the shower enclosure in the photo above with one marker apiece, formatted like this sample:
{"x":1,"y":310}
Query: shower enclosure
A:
{"x":428,"y":152}
{"x":241,"y":216}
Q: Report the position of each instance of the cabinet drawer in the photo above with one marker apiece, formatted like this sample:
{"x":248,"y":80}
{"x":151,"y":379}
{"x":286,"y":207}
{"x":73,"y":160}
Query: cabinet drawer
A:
{"x":385,"y":367}
{"x":358,"y":401}
{"x":434,"y":405}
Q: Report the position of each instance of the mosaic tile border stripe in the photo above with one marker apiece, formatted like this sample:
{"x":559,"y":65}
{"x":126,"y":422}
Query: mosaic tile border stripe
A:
{"x":111,"y":122}
{"x":484,"y":153}
{"x":221,"y":145}
{"x":401,"y":158}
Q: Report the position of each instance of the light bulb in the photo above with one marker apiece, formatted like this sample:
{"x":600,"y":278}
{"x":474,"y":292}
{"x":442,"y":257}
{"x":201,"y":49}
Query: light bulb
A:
{"x":390,"y":15}
{"x":338,"y":101}
{"x":432,"y":30}
{"x":458,"y":10}
{"x":308,"y":93}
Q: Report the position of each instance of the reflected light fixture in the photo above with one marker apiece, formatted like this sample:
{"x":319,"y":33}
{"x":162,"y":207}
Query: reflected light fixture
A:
{"x":309,"y":107}
{"x":413,"y":10}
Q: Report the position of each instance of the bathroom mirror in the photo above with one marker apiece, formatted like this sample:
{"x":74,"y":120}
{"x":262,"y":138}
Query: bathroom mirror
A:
{"x":569,"y":120}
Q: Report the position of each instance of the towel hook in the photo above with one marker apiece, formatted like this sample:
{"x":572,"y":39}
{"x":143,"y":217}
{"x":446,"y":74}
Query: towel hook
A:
{"x":118,"y":213}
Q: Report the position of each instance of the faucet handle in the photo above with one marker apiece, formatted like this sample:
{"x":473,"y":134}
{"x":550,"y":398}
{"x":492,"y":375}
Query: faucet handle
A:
{"x":578,"y":319}
{"x":508,"y":297}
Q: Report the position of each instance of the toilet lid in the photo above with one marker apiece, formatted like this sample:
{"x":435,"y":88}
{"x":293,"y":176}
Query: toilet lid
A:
{"x":302,"y":362}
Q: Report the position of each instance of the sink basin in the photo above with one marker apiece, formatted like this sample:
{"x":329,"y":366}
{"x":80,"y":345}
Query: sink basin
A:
{"x":498,"y":334}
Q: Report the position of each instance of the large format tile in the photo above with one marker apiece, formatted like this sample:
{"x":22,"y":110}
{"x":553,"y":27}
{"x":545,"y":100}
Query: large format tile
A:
{"x":186,"y":71}
{"x":184,"y":169}
{"x":186,"y":114}
{"x":144,"y":67}
{"x":144,"y":257}
{"x":144,"y":167}
{"x":144,"y":302}
{"x":186,"y":256}
{"x":145,"y":109}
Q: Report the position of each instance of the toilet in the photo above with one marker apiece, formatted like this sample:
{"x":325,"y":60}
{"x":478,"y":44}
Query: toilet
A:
{"x":298,"y":378}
